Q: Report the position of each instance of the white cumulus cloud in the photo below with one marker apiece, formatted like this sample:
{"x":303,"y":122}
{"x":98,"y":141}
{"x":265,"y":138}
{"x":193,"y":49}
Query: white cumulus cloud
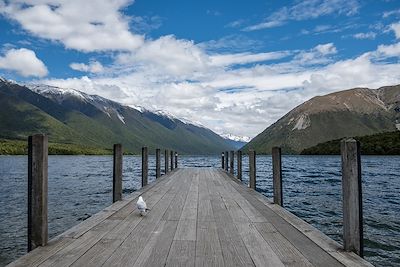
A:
{"x":92,"y":67}
{"x":239,"y":92}
{"x":365,"y":35}
{"x":24,"y":62}
{"x":396,"y":28}
{"x":79,"y":25}
{"x":307,"y":9}
{"x":249,"y":97}
{"x":245,"y":58}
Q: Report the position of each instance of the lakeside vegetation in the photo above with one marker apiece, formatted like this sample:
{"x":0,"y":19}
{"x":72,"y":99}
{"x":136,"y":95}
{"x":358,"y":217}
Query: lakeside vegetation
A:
{"x":20,"y":147}
{"x":387,"y":143}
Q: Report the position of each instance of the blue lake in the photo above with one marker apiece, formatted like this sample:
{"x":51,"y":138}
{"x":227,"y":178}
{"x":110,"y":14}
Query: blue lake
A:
{"x":80,"y":186}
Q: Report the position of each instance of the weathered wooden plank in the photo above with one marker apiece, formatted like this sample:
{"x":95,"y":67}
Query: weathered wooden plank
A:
{"x":99,"y":253}
{"x":172,"y":160}
{"x":327,"y":244}
{"x":69,"y":254}
{"x":236,"y":212}
{"x":186,"y":230}
{"x":40,"y":254}
{"x":130,"y":249}
{"x":352,"y":196}
{"x":277,"y":175}
{"x":208,"y":247}
{"x":37,"y":191}
{"x":135,"y":242}
{"x":80,"y":229}
{"x":286,"y":252}
{"x":309,"y":249}
{"x":125,"y":228}
{"x":239,"y":165}
{"x":113,"y":213}
{"x":231,"y":162}
{"x":147,"y":193}
{"x":117,"y":173}
{"x":259,"y":250}
{"x":233,"y":248}
{"x":181,"y":254}
{"x":145,"y":166}
{"x":120,"y":232}
{"x":252,"y":169}
{"x":250,"y":212}
{"x":226,"y":156}
{"x":158,"y":163}
{"x":174,"y":211}
{"x":166,"y":168}
{"x":190,"y":208}
{"x":156,"y":251}
{"x":204,"y":211}
{"x":202,"y":217}
{"x":321,"y":240}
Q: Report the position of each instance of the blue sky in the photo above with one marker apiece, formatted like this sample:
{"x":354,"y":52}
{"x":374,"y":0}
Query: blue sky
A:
{"x":233,"y":66}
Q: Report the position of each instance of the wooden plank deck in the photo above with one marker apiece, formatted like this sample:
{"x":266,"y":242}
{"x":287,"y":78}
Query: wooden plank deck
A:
{"x":198,"y":217}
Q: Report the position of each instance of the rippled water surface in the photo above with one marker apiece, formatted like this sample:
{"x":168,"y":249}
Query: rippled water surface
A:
{"x":80,"y":186}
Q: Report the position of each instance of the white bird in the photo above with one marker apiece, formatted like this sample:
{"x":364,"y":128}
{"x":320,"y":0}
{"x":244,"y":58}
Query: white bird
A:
{"x":142,"y":207}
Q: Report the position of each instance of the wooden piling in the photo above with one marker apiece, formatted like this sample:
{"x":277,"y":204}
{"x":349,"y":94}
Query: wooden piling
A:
{"x":37,"y":191}
{"x":352,"y":197}
{"x":117,"y":173}
{"x":226,"y":160}
{"x":158,"y":163}
{"x":145,"y":166}
{"x":231,"y":163}
{"x":239,"y":165}
{"x":277,"y":175}
{"x":172,"y":159}
{"x":252,"y":169}
{"x":223,"y":160}
{"x":176,"y":160}
{"x":166,"y":161}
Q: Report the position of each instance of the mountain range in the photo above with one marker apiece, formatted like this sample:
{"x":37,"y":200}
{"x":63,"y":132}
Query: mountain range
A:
{"x":349,"y":113}
{"x":69,"y":116}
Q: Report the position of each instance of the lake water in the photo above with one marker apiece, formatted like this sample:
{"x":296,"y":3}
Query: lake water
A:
{"x":80,"y":186}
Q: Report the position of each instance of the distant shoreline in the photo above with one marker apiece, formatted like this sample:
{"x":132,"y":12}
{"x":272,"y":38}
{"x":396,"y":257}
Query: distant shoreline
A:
{"x":20,"y":147}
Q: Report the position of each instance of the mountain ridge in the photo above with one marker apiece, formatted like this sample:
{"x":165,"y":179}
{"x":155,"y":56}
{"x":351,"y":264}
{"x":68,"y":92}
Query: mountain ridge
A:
{"x":96,"y":121}
{"x":352,"y":112}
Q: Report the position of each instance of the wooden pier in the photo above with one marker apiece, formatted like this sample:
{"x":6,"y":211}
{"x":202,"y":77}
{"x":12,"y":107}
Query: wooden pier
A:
{"x":198,"y":217}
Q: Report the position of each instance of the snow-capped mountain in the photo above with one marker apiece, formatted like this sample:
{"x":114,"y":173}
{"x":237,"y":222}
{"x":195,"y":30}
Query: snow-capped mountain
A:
{"x":72,"y":116}
{"x":236,"y":141}
{"x":108,"y":106}
{"x":238,"y":138}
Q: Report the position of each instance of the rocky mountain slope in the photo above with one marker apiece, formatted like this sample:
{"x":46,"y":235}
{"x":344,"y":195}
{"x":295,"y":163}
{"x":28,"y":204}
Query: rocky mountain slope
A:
{"x":71,"y":116}
{"x":354,"y":112}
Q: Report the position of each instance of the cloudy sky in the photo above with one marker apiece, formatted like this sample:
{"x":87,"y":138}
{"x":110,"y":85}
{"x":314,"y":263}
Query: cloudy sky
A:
{"x":234,"y":66}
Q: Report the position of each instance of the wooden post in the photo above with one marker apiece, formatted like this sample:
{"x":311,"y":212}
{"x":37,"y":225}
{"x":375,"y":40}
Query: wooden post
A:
{"x":172,"y":160}
{"x":222,"y":160}
{"x":117,"y":173}
{"x":145,"y":166}
{"x":166,"y":161}
{"x":37,"y":191}
{"x":176,"y":160}
{"x":239,"y":165}
{"x":231,"y":164}
{"x":352,"y":197}
{"x":252,"y":168}
{"x":158,"y":163}
{"x":226,"y":160}
{"x":277,"y":175}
